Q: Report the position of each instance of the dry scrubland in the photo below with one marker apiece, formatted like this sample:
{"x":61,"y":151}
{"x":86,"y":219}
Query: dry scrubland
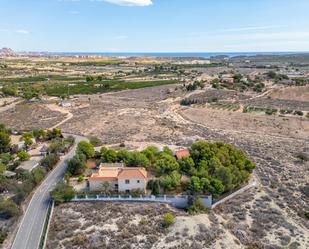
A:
{"x":133,"y":225}
{"x":266,"y":217}
{"x":31,"y":115}
{"x":293,"y":93}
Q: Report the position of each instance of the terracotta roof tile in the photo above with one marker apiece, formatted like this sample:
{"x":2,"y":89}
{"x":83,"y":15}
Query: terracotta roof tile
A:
{"x":91,"y":164}
{"x":182,"y":153}
{"x":110,"y":174}
{"x":132,"y":173}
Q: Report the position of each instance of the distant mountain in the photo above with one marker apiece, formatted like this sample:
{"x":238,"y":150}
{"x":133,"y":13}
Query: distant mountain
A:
{"x":7,"y":52}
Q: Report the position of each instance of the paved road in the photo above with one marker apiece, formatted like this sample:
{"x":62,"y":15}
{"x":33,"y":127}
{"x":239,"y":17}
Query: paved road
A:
{"x":29,"y":232}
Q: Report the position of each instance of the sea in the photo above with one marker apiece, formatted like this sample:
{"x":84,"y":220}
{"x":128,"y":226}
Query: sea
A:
{"x":182,"y":54}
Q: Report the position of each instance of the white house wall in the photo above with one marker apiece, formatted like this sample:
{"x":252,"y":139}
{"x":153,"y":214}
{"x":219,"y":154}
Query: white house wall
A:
{"x":133,"y":185}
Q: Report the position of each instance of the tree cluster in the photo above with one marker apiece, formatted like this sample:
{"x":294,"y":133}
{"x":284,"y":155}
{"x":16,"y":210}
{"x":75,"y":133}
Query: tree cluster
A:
{"x":62,"y":193}
{"x":216,"y":168}
{"x":195,"y":85}
{"x":77,"y":165}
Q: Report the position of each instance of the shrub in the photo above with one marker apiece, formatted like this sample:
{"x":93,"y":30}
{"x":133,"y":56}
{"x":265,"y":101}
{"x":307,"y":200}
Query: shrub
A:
{"x":2,"y":168}
{"x":85,"y":148}
{"x":171,"y":181}
{"x":39,"y":134}
{"x":38,"y":174}
{"x":167,"y":164}
{"x":108,"y":155}
{"x":56,"y":146}
{"x":77,"y":165}
{"x":69,"y":140}
{"x":303,"y":156}
{"x":151,"y":152}
{"x":27,"y":138}
{"x":298,"y":113}
{"x":9,"y":91}
{"x":80,"y":178}
{"x":5,"y":158}
{"x":155,"y":188}
{"x":95,"y":141}
{"x":3,"y":236}
{"x":143,"y":221}
{"x":271,"y":74}
{"x":54,"y":133}
{"x":49,"y":161}
{"x":286,"y":111}
{"x":271,"y":111}
{"x":168,"y":219}
{"x":138,"y":159}
{"x":5,"y":141}
{"x":9,"y":208}
{"x":306,"y":214}
{"x":197,"y":207}
{"x":62,"y":193}
{"x":23,"y":155}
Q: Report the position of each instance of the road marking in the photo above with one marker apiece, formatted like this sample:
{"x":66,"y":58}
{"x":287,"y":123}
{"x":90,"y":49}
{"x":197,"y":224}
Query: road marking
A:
{"x":36,"y":204}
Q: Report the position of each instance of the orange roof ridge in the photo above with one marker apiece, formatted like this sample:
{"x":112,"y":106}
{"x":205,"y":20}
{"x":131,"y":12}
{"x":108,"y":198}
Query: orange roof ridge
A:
{"x":119,"y":173}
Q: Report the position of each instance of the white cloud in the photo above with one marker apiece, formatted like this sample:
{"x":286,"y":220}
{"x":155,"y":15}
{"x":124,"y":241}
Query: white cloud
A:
{"x":250,"y":28}
{"x":25,"y":32}
{"x":20,"y":31}
{"x":130,"y":2}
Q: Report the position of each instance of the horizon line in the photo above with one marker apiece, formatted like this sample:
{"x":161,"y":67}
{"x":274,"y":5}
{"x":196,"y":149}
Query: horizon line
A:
{"x":166,"y":52}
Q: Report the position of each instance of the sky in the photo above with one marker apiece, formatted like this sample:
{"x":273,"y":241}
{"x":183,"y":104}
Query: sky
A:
{"x":155,"y":25}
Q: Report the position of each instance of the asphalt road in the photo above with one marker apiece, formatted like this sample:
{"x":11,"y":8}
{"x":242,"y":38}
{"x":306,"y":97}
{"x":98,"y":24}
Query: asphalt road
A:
{"x":29,"y":232}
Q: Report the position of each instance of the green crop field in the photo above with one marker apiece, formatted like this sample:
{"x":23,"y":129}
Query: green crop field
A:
{"x":101,"y":87}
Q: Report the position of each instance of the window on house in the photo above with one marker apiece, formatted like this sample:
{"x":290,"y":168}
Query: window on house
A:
{"x":138,"y":181}
{"x":127,"y":181}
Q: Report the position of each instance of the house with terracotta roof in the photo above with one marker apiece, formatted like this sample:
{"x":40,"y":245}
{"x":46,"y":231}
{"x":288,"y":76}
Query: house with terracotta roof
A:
{"x":118,"y":178}
{"x":179,"y":154}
